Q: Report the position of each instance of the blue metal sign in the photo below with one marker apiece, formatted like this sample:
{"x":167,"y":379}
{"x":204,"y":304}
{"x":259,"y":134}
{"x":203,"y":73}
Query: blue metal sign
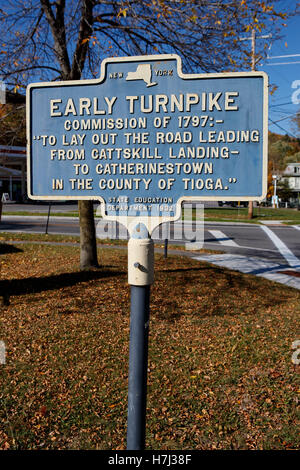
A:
{"x":144,"y":137}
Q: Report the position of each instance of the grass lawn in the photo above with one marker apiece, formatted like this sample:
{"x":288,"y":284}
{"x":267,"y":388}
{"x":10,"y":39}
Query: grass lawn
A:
{"x":220,"y":369}
{"x":229,"y":214}
{"x":42,"y":214}
{"x":235,"y":214}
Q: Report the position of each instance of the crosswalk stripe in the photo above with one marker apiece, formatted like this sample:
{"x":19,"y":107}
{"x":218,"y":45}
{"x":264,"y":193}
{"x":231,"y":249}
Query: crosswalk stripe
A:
{"x":282,"y":248}
{"x":252,"y":265}
{"x":222,"y":238}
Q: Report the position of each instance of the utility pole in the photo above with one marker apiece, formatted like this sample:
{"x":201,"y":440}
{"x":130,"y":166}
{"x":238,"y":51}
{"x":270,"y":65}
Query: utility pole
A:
{"x":253,"y":68}
{"x":275,"y":199}
{"x":253,"y":41}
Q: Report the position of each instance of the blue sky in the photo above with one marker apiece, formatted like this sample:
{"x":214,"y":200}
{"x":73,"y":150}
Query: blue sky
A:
{"x":284,"y":72}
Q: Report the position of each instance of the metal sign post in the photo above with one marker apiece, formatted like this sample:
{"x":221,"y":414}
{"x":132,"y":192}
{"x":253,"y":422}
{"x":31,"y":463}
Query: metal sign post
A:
{"x":142,"y":139}
{"x":140,"y":277}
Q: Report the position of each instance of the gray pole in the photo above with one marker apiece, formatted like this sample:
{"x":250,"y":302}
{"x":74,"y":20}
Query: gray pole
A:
{"x":140,"y":277}
{"x":166,"y":248}
{"x":47,"y":223}
{"x":253,"y":67}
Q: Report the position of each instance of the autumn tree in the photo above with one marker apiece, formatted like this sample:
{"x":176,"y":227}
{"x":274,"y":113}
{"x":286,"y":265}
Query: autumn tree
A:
{"x":12,"y":124}
{"x":296,"y":122}
{"x":67,"y":39}
{"x":283,"y":150}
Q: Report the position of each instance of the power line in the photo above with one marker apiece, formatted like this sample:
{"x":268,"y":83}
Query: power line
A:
{"x":283,"y":63}
{"x":287,"y":132}
{"x":282,"y":56}
{"x":287,"y":117}
{"x":283,"y":97}
{"x":281,"y":104}
{"x":281,"y":111}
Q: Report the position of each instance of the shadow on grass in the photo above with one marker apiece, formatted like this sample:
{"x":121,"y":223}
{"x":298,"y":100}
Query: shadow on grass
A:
{"x":233,"y":278}
{"x":191,"y":269}
{"x":212,"y":291}
{"x":7,"y":248}
{"x":33,"y":285}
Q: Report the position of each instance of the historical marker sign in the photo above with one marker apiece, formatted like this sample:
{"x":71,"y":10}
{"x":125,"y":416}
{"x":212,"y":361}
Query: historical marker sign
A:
{"x":144,"y":137}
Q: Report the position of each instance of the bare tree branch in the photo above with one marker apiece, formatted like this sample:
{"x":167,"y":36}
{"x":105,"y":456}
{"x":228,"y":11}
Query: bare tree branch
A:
{"x":58,"y":30}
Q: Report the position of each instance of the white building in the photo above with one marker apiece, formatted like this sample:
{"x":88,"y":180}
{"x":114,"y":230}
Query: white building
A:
{"x":13,"y":172}
{"x":292,"y":175}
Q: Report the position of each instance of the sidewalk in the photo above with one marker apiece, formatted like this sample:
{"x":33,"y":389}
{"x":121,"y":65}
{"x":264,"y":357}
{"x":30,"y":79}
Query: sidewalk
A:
{"x":273,"y":222}
{"x":282,"y":273}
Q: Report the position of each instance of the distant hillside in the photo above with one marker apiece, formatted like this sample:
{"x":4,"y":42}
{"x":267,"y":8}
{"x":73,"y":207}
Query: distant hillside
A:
{"x":283,"y":150}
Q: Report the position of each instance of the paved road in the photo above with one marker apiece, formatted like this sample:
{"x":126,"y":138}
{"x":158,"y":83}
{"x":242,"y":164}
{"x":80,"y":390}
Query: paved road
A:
{"x":58,"y":206}
{"x":270,"y":251}
{"x":242,"y":239}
